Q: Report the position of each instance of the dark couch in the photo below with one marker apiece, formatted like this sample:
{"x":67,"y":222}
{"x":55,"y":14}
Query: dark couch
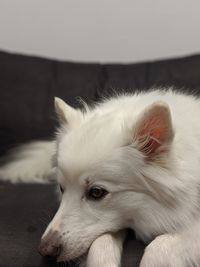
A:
{"x":27,"y":88}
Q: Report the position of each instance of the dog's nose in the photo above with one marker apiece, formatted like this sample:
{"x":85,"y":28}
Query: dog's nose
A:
{"x":49,"y":250}
{"x":50,"y":246}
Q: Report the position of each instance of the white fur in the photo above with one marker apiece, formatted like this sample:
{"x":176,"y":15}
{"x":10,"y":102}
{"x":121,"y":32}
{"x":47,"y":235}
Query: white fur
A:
{"x":153,"y":182}
{"x":106,"y":250}
{"x":30,"y":163}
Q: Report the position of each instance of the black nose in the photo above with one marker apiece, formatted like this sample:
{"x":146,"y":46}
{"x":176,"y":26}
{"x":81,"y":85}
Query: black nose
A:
{"x":50,"y":246}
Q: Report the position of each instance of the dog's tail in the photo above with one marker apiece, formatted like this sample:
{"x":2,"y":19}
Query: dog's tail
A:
{"x":29,"y":163}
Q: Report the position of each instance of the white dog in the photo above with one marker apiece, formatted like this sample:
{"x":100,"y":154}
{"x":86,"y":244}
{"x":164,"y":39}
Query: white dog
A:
{"x":130,"y":162}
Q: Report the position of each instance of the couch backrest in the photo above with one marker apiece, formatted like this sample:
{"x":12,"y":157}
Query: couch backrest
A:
{"x":29,"y":84}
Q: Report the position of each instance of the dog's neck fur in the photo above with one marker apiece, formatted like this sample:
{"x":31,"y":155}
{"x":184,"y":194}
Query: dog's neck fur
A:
{"x":176,"y":205}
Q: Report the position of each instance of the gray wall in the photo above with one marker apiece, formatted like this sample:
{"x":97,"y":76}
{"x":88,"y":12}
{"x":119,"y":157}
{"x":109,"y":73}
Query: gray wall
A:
{"x":101,"y":30}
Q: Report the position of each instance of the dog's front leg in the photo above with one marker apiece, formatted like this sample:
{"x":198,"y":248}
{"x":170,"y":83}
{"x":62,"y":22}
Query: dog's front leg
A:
{"x":106,"y":250}
{"x":181,"y":249}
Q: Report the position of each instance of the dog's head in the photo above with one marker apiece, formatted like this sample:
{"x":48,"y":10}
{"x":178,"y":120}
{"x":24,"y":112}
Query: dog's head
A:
{"x":104,"y":159}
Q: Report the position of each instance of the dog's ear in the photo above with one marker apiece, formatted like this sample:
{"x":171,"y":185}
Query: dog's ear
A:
{"x":153,"y":132}
{"x":66,"y":114}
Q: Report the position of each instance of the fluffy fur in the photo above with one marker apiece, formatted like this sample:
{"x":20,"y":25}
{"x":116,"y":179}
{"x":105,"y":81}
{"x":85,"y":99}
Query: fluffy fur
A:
{"x":144,"y":149}
{"x":29,"y":163}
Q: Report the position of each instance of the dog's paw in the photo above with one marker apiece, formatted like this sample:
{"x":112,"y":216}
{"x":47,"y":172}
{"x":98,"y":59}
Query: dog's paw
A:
{"x":105,"y":251}
{"x":102,"y":261}
{"x":163,"y":252}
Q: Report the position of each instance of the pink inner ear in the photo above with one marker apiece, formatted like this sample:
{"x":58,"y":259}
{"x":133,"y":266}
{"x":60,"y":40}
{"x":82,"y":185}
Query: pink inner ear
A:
{"x":154,"y":131}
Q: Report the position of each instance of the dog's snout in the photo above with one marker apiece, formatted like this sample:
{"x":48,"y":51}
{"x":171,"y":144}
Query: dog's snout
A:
{"x":49,"y":250}
{"x":50,"y":246}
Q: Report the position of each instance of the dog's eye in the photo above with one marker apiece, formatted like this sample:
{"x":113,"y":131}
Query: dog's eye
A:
{"x":61,"y":189}
{"x":96,"y":193}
